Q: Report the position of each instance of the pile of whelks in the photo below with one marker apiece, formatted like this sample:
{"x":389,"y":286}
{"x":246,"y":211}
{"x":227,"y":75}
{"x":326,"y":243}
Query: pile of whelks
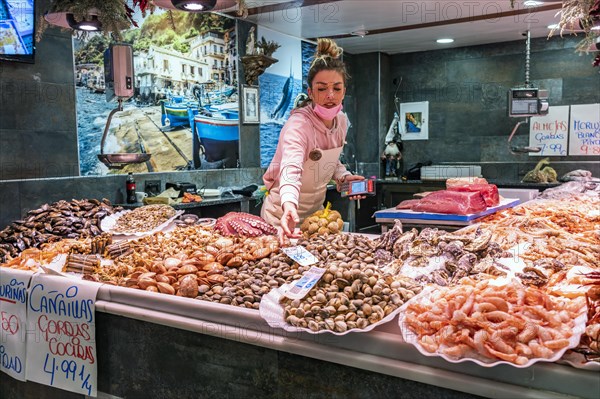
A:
{"x":481,"y":307}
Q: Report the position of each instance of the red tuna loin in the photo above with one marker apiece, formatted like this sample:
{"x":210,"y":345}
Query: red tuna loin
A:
{"x":451,"y":202}
{"x":489,"y":192}
{"x":408,"y":204}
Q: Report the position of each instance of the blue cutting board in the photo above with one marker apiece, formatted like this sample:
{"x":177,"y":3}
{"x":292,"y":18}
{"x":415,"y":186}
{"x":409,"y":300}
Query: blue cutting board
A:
{"x":394,"y":213}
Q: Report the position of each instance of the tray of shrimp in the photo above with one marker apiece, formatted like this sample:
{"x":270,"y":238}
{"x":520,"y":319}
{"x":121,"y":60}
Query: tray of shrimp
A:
{"x":492,"y":322}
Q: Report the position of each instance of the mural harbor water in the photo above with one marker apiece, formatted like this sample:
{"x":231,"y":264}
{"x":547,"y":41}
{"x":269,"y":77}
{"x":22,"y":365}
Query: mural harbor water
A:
{"x":133,"y":130}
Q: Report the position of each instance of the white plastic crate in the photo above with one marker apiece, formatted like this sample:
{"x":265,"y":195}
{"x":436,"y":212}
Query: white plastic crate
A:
{"x":444,"y":172}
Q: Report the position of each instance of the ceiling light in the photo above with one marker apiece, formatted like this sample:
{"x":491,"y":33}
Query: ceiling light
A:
{"x":532,"y":3}
{"x":553,"y":26}
{"x":445,"y":41}
{"x":198,"y":5}
{"x":67,"y":20}
{"x":90,"y":24}
{"x":194,"y":5}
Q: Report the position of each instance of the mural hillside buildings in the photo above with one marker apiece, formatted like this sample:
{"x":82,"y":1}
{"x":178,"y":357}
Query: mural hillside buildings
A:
{"x":232,"y":56}
{"x":160,"y":71}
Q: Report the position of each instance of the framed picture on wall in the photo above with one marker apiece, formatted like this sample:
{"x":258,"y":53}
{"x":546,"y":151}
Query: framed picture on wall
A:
{"x":250,"y":103}
{"x":414,"y":120}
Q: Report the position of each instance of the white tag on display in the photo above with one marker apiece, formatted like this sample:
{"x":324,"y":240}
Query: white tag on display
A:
{"x":299,"y":288}
{"x":300,"y":255}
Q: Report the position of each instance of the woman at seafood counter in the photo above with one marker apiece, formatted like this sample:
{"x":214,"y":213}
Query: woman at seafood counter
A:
{"x":310,"y":143}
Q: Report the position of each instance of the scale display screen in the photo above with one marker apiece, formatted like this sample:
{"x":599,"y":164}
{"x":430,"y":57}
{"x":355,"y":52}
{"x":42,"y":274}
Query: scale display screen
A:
{"x":525,"y":102}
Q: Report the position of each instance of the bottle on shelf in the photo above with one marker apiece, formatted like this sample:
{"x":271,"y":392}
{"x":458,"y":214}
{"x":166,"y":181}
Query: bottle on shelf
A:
{"x":130,"y":187}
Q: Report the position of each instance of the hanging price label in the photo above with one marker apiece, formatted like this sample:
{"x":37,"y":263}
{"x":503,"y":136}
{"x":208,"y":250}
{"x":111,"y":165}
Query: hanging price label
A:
{"x":300,"y":255}
{"x":299,"y":288}
{"x":13,"y":316}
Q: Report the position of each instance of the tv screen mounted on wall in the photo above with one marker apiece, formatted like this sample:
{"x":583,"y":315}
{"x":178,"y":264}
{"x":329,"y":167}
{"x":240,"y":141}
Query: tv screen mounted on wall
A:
{"x":17,"y":30}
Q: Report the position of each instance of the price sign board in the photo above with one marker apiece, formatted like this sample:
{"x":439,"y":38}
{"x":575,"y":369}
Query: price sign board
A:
{"x":63,"y":352}
{"x":13,"y":316}
{"x":550,"y":132}
{"x":584,"y":130}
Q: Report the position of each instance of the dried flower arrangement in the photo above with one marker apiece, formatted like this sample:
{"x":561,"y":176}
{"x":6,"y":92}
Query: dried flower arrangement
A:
{"x":576,"y":12}
{"x":267,"y":47}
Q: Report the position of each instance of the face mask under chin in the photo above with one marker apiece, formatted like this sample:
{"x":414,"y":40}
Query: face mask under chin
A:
{"x":327,"y":113}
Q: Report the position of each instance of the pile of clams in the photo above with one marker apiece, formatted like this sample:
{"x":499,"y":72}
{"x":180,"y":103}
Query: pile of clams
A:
{"x":352,"y":294}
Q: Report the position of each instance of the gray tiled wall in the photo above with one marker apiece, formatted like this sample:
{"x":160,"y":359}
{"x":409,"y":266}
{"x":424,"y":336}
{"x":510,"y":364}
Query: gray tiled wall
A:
{"x":38,"y":135}
{"x":467,"y":93}
{"x":19,"y":196}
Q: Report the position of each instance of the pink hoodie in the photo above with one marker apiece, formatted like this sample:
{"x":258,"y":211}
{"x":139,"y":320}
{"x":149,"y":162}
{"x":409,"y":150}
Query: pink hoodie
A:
{"x":303,"y":132}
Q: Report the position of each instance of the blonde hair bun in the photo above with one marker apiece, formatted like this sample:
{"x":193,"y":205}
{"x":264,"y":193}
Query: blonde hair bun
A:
{"x":327,"y":47}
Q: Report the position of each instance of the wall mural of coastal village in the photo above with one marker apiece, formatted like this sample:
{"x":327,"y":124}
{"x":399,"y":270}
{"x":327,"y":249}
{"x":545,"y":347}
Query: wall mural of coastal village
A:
{"x":185,"y":107}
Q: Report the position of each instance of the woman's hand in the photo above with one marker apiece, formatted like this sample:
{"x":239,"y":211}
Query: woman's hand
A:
{"x":289,"y":219}
{"x":349,"y":178}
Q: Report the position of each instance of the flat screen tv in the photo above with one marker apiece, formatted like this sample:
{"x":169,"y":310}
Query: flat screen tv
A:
{"x":17,"y":30}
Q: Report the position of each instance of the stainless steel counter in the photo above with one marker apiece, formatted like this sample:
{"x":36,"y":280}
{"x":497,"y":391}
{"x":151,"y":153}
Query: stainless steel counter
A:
{"x":381,"y":350}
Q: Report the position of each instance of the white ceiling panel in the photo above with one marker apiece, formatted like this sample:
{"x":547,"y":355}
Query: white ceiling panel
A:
{"x":402,"y":21}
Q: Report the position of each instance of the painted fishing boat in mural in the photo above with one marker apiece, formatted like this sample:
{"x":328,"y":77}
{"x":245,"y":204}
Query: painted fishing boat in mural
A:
{"x":221,"y":95}
{"x":174,"y":111}
{"x":208,"y":96}
{"x":216,"y":134}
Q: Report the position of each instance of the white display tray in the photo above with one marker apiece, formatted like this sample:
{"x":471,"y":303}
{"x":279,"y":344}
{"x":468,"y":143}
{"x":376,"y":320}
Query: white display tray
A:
{"x":273,"y":313}
{"x":108,"y":223}
{"x":424,"y":297}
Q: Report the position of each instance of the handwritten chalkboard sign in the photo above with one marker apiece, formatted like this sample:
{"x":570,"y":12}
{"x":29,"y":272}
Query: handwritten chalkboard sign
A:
{"x":550,"y":132}
{"x":584,"y":130}
{"x":13,"y":311}
{"x":62,"y":314}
